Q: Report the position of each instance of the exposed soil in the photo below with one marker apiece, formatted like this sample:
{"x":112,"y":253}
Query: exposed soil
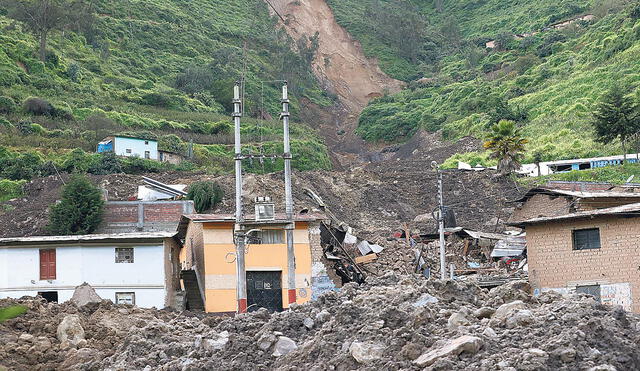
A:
{"x":376,"y":199}
{"x":390,"y":323}
{"x":341,"y":67}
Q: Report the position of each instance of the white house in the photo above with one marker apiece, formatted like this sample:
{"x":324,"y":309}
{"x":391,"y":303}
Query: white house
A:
{"x":561,"y":166}
{"x":128,"y":268}
{"x":129,"y":147}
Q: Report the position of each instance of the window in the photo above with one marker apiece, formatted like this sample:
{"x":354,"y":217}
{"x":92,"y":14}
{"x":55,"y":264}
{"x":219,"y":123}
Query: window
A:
{"x":126,"y":298}
{"x":147,"y":154}
{"x":593,"y":290}
{"x":48,"y":264}
{"x":124,"y":254}
{"x":270,"y":236}
{"x":128,"y":150}
{"x":585,"y":239}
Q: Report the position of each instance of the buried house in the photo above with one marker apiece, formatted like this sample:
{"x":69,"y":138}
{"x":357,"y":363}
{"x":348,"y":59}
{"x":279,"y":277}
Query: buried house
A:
{"x":128,"y":268}
{"x":592,"y":251}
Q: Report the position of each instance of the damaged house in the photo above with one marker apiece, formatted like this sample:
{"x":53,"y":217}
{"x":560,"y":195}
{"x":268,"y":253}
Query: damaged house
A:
{"x":209,"y":266}
{"x":592,"y":251}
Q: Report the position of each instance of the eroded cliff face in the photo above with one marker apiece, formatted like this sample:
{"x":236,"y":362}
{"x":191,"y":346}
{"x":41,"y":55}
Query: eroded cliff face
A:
{"x":339,"y":64}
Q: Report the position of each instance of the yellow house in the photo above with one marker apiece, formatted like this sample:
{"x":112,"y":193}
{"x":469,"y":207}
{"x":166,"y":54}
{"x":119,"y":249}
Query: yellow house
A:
{"x":209,"y":264}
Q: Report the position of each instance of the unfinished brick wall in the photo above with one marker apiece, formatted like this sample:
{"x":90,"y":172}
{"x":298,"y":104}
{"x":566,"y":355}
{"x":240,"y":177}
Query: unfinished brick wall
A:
{"x":148,"y":216}
{"x":120,"y":213}
{"x":553,"y":264}
{"x":603,"y":203}
{"x":542,"y":205}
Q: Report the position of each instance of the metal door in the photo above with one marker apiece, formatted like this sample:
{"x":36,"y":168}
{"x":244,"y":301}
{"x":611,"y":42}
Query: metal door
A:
{"x":264,"y":290}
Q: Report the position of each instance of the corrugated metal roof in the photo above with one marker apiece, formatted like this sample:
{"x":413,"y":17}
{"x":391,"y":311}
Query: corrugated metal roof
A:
{"x":34,"y":240}
{"x":618,"y":210}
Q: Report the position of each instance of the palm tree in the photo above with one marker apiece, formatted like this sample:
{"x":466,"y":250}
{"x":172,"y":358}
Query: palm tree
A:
{"x":506,"y":145}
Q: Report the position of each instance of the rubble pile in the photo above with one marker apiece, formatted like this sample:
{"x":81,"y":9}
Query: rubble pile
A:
{"x":392,"y":322}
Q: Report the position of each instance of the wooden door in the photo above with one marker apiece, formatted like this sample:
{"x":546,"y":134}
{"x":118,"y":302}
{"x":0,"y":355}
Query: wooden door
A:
{"x":48,"y":264}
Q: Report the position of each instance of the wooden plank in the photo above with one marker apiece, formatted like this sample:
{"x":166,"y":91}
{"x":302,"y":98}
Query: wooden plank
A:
{"x":366,"y":258}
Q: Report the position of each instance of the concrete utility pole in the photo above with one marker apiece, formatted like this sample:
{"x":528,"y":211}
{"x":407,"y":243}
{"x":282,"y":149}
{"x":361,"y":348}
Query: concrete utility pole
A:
{"x":443,"y":265}
{"x":291,"y":257}
{"x":241,"y":284}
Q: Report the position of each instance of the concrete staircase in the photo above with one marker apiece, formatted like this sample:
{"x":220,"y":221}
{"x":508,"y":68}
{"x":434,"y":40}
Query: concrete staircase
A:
{"x":192,"y":289}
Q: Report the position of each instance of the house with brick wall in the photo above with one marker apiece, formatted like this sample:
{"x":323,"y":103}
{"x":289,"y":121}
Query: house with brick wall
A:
{"x":548,"y":202}
{"x":209,"y":275}
{"x":594,"y":251}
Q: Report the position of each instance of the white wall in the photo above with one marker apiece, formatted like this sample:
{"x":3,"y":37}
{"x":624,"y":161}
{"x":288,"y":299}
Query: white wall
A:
{"x":20,"y":273}
{"x":137,"y":147}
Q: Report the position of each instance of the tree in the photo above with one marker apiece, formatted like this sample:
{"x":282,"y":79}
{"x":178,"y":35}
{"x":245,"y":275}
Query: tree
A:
{"x":79,"y":211}
{"x":616,"y":117}
{"x":506,"y":145}
{"x":40,"y":16}
{"x":205,"y":195}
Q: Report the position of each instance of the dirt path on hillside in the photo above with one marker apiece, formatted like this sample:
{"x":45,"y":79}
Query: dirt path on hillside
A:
{"x":341,"y":67}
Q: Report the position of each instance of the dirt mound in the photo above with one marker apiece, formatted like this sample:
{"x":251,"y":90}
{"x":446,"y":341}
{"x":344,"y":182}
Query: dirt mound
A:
{"x":376,"y":200}
{"x":393,"y":322}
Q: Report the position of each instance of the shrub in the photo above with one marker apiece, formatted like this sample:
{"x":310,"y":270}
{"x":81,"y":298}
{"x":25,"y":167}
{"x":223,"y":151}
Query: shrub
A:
{"x":10,"y":189}
{"x":79,"y":211}
{"x":172,"y":143}
{"x":7,"y":105}
{"x":77,"y":161}
{"x":38,"y":107}
{"x":25,"y":166}
{"x":137,"y":165}
{"x":205,"y":195}
{"x":5,"y":123}
{"x":109,"y":163}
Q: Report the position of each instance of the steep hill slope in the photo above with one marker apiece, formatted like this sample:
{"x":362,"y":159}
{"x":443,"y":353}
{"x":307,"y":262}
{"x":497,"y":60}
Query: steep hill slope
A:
{"x":339,"y":64}
{"x":156,"y":69}
{"x":545,"y":76}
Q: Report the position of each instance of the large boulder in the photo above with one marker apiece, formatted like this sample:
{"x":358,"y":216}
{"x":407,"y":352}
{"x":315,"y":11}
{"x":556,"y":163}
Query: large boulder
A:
{"x":505,"y":311}
{"x":70,"y":332}
{"x":284,"y":346}
{"x":366,"y":352}
{"x":463,"y":344}
{"x":85,"y":294}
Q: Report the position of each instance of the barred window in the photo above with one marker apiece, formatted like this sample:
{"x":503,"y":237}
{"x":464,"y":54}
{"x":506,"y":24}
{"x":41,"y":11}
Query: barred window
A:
{"x":586,"y":239}
{"x":271,"y":236}
{"x":124,"y":254}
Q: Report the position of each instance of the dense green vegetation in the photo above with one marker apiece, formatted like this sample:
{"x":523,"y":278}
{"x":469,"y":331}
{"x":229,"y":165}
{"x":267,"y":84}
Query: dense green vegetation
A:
{"x":158,"y":69}
{"x":548,"y":83}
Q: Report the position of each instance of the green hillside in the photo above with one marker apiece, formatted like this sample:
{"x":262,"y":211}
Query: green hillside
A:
{"x":157,"y":69}
{"x":548,"y":82}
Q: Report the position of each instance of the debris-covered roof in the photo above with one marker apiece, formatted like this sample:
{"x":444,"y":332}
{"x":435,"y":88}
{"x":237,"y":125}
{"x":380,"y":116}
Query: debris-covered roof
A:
{"x":250,"y":219}
{"x":630,"y":209}
{"x":578,"y":194}
{"x":89,"y":238}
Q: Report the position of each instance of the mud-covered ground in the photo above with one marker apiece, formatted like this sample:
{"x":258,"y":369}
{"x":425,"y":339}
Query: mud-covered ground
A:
{"x":393,"y":323}
{"x":375,"y":199}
